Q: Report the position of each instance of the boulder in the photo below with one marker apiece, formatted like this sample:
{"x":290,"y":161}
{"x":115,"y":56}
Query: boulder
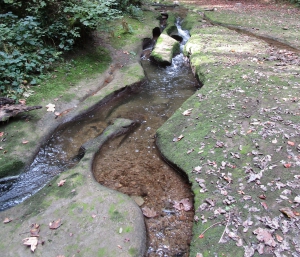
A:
{"x":166,"y":47}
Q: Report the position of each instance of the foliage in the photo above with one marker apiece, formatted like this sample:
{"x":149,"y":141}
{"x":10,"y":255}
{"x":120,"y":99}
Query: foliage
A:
{"x":131,"y":7}
{"x":35,"y":33}
{"x":297,"y":2}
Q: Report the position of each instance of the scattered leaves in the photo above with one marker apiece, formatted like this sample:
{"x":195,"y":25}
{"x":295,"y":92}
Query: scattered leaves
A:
{"x":288,"y":212}
{"x":31,"y":241}
{"x":263,"y":235}
{"x":149,"y":212}
{"x":183,"y":204}
{"x":7,"y":220}
{"x":50,"y":107}
{"x":287,"y":165}
{"x":55,"y":224}
{"x":187,"y":112}
{"x":61,"y":183}
{"x":176,"y":139}
{"x":35,"y":229}
{"x":22,"y":101}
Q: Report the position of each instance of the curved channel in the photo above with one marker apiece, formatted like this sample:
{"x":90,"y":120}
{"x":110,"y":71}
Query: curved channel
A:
{"x":130,"y":163}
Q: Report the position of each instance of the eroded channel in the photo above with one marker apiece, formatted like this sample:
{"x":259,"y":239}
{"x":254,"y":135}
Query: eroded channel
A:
{"x":130,"y":163}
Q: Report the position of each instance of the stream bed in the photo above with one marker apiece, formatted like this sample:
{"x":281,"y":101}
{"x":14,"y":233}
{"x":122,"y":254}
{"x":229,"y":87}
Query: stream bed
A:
{"x":130,"y":163}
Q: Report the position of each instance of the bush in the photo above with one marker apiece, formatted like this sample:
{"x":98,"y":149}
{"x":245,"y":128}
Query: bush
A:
{"x":35,"y":33}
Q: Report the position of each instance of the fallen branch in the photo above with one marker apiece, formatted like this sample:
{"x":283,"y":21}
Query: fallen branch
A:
{"x":9,"y":109}
{"x":224,"y":229}
{"x":202,"y":234}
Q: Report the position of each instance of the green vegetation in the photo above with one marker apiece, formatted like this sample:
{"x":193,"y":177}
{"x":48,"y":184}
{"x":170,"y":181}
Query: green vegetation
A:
{"x":35,"y":34}
{"x":68,"y":73}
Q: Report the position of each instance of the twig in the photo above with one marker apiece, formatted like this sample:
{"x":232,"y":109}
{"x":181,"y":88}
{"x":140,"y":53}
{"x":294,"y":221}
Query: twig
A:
{"x":225,"y":228}
{"x":202,"y":234}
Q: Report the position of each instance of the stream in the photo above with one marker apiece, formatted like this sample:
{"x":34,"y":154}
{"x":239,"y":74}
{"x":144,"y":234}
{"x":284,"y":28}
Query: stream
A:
{"x":130,"y":163}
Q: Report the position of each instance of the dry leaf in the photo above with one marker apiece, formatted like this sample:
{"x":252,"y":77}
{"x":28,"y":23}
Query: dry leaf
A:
{"x":32,"y":241}
{"x":264,"y":204}
{"x":187,"y":112}
{"x":265,"y":236}
{"x":288,"y":212}
{"x":35,"y":229}
{"x":50,"y":107}
{"x":178,"y":138}
{"x":297,"y":199}
{"x":287,"y":165}
{"x":22,"y":101}
{"x":201,"y":236}
{"x":262,"y":196}
{"x":149,"y":212}
{"x":61,"y":183}
{"x":55,"y":224}
{"x":7,"y":220}
{"x":279,"y":238}
{"x":183,"y":204}
{"x":290,"y":143}
{"x":1,"y":134}
{"x":25,"y":142}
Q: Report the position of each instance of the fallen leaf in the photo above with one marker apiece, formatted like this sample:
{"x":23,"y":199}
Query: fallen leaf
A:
{"x":7,"y":220}
{"x":1,"y":134}
{"x":22,"y":101}
{"x":25,"y":142}
{"x":288,"y":212}
{"x":149,"y":212}
{"x":264,"y":204}
{"x":287,"y":165}
{"x":31,"y":241}
{"x":55,"y":224}
{"x":297,"y":199}
{"x":61,"y":183}
{"x":183,"y":204}
{"x":290,"y":143}
{"x":263,"y":235}
{"x":50,"y":107}
{"x":199,"y":255}
{"x":279,"y":238}
{"x":187,"y":112}
{"x":201,"y":236}
{"x":34,"y":231}
{"x":178,"y":138}
{"x":262,"y":196}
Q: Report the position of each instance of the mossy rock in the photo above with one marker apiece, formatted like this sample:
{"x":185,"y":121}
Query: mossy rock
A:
{"x":164,"y":50}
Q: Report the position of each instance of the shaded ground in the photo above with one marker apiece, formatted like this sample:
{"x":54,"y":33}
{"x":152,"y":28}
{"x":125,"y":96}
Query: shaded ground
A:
{"x":238,"y":140}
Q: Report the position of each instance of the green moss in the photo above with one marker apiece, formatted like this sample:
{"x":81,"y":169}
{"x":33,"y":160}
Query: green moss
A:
{"x":133,"y":251}
{"x":128,"y":229}
{"x":114,"y":214}
{"x":10,"y":167}
{"x":120,"y":38}
{"x":189,"y":21}
{"x":68,"y":74}
{"x":102,"y":252}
